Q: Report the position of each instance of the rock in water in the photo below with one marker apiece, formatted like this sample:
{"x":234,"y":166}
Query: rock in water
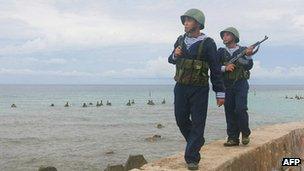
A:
{"x":67,"y":104}
{"x":110,"y":152}
{"x":115,"y":168}
{"x":153,"y":138}
{"x":135,"y":161}
{"x":129,"y":103}
{"x":48,"y":168}
{"x":150,"y":102}
{"x":164,"y":101}
{"x":159,"y":126}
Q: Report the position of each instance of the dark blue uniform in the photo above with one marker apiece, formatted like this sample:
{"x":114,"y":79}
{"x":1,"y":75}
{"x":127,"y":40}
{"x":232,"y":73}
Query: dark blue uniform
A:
{"x":192,"y":101}
{"x":236,"y":98}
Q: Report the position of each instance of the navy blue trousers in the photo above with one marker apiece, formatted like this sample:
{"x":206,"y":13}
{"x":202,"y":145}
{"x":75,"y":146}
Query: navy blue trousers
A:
{"x":236,"y":110}
{"x":190,"y":108}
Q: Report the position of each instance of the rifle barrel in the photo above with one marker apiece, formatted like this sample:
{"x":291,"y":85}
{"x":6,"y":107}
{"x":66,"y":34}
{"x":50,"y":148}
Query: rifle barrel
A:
{"x":244,"y":52}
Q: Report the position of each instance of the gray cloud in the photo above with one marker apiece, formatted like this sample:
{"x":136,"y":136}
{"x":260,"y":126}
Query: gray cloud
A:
{"x":44,"y":25}
{"x":39,"y":38}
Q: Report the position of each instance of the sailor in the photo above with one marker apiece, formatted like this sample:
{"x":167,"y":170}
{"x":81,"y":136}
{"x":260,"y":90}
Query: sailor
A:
{"x":235,"y":79}
{"x":194,"y":55}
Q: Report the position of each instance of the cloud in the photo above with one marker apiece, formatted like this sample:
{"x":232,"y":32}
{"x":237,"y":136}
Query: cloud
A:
{"x":298,"y":22}
{"x":155,"y":68}
{"x":59,"y":37}
{"x":278,"y":72}
{"x":57,"y":61}
{"x":57,"y":29}
{"x":54,"y":25}
{"x":160,"y":68}
{"x":30,"y":72}
{"x":33,"y":62}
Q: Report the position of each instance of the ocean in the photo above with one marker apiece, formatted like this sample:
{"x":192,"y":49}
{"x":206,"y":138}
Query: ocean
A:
{"x":77,"y":138}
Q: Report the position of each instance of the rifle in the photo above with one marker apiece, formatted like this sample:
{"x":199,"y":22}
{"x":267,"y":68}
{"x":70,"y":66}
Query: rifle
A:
{"x":243,"y":53}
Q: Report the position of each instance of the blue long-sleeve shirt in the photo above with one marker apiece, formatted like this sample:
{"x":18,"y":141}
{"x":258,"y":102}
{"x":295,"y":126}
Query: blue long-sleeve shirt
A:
{"x":210,"y":55}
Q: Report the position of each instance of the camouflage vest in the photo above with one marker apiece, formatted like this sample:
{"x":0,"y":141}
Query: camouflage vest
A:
{"x":192,"y":71}
{"x":238,"y":73}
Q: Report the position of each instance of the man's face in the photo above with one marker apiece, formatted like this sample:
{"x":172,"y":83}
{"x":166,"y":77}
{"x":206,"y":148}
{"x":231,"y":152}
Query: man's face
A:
{"x":190,"y":25}
{"x":228,"y":38}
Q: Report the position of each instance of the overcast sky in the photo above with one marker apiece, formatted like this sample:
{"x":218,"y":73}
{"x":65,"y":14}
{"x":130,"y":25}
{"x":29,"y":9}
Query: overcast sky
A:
{"x":128,"y":42}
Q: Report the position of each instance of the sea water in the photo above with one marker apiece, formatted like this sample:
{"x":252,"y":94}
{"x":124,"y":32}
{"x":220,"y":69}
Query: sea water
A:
{"x":77,"y":138}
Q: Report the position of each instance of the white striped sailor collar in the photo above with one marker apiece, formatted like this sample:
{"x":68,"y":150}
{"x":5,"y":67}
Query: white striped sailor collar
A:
{"x":232,"y":50}
{"x":191,"y":40}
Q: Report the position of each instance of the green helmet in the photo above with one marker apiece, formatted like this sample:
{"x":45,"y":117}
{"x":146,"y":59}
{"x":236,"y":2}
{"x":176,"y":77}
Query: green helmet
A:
{"x":233,"y":31}
{"x":196,"y":14}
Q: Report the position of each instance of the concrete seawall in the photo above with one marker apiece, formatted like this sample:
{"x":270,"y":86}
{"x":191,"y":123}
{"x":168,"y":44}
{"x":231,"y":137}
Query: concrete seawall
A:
{"x":268,"y":146}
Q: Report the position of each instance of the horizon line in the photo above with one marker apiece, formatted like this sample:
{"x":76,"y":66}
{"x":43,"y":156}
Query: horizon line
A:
{"x":126,"y":84}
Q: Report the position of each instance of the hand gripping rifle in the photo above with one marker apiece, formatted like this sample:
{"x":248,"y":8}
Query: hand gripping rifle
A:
{"x":243,"y":53}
